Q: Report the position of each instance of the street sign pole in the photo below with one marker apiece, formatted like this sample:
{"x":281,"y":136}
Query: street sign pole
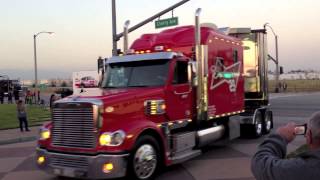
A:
{"x":116,"y":37}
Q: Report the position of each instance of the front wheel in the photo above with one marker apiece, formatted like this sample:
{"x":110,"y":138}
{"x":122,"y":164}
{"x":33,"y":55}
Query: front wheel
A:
{"x":145,"y":159}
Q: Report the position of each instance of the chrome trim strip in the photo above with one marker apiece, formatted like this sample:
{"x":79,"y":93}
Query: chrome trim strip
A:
{"x":141,"y":57}
{"x":83,"y":156}
{"x":77,"y":99}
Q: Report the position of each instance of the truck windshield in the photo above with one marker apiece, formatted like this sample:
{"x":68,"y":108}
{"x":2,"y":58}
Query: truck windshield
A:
{"x":136,"y":74}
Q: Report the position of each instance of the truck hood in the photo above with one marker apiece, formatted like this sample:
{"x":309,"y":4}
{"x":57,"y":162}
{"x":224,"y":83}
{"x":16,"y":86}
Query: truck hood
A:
{"x":111,"y":96}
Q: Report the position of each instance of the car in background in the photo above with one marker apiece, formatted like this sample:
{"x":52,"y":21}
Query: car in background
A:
{"x":86,"y":82}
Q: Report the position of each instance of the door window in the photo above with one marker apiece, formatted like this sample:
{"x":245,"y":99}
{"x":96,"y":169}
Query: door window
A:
{"x":181,"y":73}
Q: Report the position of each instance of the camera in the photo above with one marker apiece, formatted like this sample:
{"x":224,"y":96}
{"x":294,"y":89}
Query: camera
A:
{"x":300,"y":129}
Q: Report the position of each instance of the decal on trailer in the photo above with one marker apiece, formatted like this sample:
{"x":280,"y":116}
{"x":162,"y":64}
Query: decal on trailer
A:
{"x":222,"y":74}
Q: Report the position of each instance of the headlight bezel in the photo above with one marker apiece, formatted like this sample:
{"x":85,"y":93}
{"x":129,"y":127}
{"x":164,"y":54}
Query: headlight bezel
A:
{"x":115,"y":138}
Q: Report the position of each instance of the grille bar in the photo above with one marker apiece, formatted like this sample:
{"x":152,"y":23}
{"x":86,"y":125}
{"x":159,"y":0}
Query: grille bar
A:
{"x":60,"y":161}
{"x":73,"y":126}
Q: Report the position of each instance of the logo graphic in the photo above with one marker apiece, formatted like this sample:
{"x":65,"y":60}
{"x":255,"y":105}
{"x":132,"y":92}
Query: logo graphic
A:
{"x":222,"y":74}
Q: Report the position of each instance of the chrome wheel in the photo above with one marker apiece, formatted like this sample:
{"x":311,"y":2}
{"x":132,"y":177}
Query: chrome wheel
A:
{"x":258,"y":128}
{"x":267,"y":122}
{"x":145,"y":161}
{"x":258,"y":124}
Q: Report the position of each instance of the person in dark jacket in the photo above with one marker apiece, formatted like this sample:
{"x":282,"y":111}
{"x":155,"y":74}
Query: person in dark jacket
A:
{"x":269,"y":162}
{"x":9,"y":97}
{"x":1,"y":96}
{"x":16,"y":95}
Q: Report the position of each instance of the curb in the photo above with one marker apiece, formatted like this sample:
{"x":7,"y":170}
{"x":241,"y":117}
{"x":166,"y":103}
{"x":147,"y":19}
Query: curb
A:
{"x":18,"y":140}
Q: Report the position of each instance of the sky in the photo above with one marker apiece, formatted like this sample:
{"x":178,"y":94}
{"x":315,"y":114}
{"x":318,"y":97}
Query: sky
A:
{"x":83,"y":30}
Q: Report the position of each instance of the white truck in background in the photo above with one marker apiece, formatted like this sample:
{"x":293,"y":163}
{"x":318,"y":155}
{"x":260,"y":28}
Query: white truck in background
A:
{"x":84,"y":81}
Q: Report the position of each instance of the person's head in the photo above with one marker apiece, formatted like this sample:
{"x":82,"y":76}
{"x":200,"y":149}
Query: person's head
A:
{"x":313,"y":131}
{"x":20,"y":104}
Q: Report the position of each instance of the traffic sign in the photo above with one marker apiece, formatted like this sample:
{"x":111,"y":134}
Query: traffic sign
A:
{"x":166,"y":22}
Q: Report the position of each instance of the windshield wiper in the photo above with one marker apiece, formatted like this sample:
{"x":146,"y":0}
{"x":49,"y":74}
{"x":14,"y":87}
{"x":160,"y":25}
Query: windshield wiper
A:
{"x":111,"y":87}
{"x":138,"y":86}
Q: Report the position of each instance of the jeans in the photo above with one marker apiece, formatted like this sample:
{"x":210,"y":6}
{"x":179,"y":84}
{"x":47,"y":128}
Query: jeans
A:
{"x":23,"y":120}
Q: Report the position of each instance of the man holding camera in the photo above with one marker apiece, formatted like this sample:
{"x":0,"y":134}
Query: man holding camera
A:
{"x":270,"y":163}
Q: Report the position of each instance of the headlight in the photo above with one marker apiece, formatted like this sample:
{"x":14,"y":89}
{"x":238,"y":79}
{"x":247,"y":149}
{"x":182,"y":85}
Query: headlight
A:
{"x":44,"y":133}
{"x":112,"y":139}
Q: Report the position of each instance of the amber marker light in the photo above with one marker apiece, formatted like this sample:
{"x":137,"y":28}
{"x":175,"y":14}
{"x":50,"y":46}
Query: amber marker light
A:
{"x":107,"y":168}
{"x":40,"y":160}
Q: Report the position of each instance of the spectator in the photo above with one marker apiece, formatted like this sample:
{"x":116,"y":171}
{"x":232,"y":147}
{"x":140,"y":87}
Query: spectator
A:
{"x":284,"y":86}
{"x":16,"y":95}
{"x":1,"y":96}
{"x":270,"y":163}
{"x":38,"y":96}
{"x":52,"y":99}
{"x":9,"y":97}
{"x":22,"y":116}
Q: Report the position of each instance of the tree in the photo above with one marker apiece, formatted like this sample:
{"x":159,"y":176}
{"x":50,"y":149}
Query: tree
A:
{"x":63,"y":84}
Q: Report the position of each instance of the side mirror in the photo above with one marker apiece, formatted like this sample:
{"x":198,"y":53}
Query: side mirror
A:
{"x":101,"y":69}
{"x":281,"y":70}
{"x":192,"y":73}
{"x":100,"y":64}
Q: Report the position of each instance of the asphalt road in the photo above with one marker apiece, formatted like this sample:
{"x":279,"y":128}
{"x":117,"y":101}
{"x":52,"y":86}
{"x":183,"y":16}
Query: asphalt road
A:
{"x":230,"y":161}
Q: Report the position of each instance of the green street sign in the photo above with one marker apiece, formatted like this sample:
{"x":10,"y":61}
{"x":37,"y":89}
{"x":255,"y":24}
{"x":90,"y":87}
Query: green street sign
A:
{"x":43,"y":86}
{"x":166,"y":22}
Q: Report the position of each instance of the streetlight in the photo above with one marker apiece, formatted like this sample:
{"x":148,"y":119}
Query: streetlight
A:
{"x":275,"y":60}
{"x":35,"y":57}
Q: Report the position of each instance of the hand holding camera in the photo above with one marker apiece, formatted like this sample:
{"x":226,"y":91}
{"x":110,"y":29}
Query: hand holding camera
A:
{"x":290,"y":131}
{"x":287,"y":131}
{"x":300,"y":129}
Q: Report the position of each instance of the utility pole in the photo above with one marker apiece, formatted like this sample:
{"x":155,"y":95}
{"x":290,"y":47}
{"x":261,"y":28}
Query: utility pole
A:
{"x":116,"y":37}
{"x":114,"y":29}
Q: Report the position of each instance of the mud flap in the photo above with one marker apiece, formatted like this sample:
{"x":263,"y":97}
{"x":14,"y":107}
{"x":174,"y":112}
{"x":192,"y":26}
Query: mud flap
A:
{"x":234,"y":127}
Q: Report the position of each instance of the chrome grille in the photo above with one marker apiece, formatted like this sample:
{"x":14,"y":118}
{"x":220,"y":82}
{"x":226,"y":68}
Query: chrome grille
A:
{"x":72,"y":162}
{"x":73,"y":126}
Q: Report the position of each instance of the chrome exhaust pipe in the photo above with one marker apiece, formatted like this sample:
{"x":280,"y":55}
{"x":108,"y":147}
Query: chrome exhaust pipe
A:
{"x":207,"y":136}
{"x":201,"y":103}
{"x":125,"y":37}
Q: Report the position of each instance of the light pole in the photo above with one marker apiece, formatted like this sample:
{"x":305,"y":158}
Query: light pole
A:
{"x":35,"y":58}
{"x":275,"y":60}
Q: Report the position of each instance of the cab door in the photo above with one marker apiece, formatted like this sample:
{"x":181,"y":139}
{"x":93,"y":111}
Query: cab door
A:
{"x":179,"y":93}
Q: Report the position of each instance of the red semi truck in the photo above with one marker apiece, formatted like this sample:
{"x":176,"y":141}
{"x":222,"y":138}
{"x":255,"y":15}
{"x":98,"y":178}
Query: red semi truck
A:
{"x":176,"y":92}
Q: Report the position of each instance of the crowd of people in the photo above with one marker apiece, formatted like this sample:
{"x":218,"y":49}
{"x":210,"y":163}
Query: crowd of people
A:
{"x":10,"y":95}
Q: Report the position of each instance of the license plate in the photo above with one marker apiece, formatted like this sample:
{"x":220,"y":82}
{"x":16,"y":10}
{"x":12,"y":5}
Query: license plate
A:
{"x":64,"y":172}
{"x":57,"y":171}
{"x":68,"y":173}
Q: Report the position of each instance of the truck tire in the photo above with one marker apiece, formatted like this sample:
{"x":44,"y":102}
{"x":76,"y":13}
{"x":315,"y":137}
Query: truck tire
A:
{"x":145,"y":159}
{"x":268,"y":122}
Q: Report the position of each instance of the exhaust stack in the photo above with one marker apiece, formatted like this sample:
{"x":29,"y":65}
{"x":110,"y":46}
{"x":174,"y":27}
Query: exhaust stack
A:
{"x":201,"y":59}
{"x":125,"y":37}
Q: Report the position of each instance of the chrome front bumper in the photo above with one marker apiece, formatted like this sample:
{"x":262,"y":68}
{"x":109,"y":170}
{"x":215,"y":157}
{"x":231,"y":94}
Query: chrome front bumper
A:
{"x":82,"y":166}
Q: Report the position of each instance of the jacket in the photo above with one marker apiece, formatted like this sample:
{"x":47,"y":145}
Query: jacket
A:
{"x":269,"y":162}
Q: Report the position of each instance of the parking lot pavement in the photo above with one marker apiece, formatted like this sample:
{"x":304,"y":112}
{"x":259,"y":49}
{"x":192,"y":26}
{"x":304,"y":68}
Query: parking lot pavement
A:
{"x":223,"y":162}
{"x":15,"y":136}
{"x":229,"y":161}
